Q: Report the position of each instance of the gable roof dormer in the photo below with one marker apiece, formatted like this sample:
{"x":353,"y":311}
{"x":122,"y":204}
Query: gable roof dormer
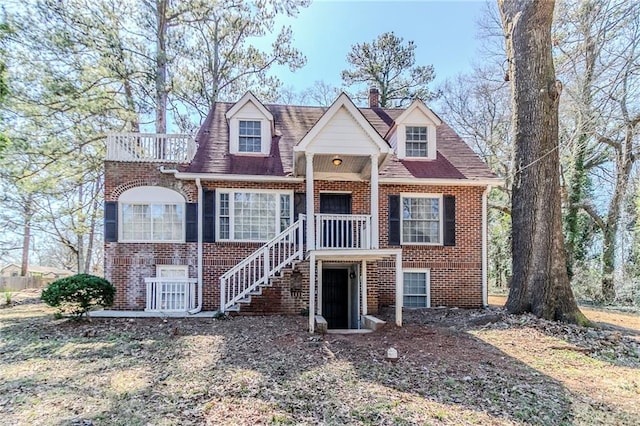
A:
{"x":250,"y":127}
{"x":343,"y":107}
{"x":413,"y":135}
{"x":341,"y":130}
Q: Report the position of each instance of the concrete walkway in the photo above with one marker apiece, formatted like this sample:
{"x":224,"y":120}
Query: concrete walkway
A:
{"x":144,"y":314}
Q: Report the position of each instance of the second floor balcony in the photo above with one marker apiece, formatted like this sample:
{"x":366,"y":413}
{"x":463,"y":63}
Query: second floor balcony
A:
{"x":151,"y":147}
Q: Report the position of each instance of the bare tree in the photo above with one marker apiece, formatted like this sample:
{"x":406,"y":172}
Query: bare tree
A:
{"x":599,"y":48}
{"x":478,"y":106}
{"x":322,"y":93}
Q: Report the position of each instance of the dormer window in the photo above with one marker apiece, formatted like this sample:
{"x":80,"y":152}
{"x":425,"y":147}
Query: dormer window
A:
{"x":414,"y":135}
{"x":416,"y":141}
{"x":250,"y":136}
{"x":250,"y":127}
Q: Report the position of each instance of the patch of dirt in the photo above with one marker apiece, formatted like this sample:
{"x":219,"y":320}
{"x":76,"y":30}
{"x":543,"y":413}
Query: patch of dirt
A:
{"x":606,"y":318}
{"x":454,"y":367}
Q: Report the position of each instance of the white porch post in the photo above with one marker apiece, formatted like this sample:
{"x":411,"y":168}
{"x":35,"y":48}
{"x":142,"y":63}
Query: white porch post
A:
{"x":375,"y":232}
{"x":311,"y":245}
{"x":319,"y":309}
{"x":312,"y":292}
{"x":399,"y":289}
{"x":363,"y":272}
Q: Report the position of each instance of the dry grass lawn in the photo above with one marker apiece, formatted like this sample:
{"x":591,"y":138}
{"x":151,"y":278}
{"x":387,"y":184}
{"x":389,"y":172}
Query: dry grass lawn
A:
{"x":455,"y":367}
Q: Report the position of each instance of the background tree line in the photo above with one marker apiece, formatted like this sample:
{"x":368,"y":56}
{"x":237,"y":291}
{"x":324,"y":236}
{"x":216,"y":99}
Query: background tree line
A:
{"x":596,"y":48}
{"x":73,"y":70}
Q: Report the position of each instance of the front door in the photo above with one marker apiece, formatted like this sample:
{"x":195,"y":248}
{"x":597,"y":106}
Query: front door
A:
{"x":335,"y":233}
{"x":335,"y":297}
{"x":335,"y":203}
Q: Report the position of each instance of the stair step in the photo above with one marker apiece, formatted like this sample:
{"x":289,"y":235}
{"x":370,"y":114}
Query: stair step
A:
{"x":257,"y":292}
{"x":234,"y":308}
{"x":246,"y":300}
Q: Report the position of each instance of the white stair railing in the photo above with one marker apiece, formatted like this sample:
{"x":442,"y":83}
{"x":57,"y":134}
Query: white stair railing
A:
{"x":240,"y":281}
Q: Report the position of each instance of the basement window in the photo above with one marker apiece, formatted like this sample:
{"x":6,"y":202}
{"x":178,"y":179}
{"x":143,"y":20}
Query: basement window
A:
{"x":416,"y":286}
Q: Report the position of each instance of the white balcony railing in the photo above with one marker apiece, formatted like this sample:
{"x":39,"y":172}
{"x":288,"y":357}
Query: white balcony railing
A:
{"x":171,"y":294}
{"x":150,"y":147}
{"x":343,"y":231}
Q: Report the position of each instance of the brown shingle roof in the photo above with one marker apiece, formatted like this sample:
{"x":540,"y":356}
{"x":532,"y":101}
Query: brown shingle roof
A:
{"x":455,"y":160}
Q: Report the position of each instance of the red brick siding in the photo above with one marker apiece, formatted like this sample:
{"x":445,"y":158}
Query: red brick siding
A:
{"x":456,"y":276}
{"x":120,"y":176}
{"x":456,"y":272}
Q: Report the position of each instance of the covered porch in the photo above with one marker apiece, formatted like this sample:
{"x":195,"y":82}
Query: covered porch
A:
{"x":338,"y":286}
{"x":341,"y":147}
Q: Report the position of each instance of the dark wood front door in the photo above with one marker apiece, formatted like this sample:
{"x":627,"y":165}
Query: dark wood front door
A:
{"x":335,"y":203}
{"x":336,"y":233}
{"x":335,"y":297}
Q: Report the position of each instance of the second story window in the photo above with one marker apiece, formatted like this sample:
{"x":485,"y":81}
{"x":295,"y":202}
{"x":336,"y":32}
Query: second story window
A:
{"x":416,"y":142}
{"x":250,"y":137}
{"x":252,"y":215}
{"x":421,"y":220}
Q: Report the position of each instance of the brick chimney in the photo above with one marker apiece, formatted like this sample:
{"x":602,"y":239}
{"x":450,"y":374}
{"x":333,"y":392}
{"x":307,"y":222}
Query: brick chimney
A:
{"x":374,"y":98}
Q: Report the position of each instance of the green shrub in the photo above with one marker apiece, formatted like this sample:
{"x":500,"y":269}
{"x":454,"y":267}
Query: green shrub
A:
{"x":76,"y":295}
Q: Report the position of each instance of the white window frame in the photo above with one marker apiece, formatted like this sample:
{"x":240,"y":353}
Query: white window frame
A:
{"x":183,"y":268}
{"x":427,"y":273}
{"x":440,"y":219}
{"x":234,"y":136}
{"x":259,"y":137}
{"x":231,"y":192}
{"x":168,"y":289}
{"x":150,"y":195}
{"x":426,"y":141}
{"x":401,"y":135}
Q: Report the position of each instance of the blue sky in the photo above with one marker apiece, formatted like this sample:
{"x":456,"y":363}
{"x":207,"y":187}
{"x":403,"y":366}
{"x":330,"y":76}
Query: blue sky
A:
{"x":444,"y":32}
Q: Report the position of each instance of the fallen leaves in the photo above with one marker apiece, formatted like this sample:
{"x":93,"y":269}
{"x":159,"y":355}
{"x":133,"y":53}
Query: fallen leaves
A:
{"x":453,"y":366}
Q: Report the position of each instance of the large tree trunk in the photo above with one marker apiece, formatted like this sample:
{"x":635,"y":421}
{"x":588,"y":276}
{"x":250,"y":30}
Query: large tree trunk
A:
{"x":540,"y":283}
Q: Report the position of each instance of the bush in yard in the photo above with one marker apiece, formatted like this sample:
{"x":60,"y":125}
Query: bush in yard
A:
{"x":78,"y":294}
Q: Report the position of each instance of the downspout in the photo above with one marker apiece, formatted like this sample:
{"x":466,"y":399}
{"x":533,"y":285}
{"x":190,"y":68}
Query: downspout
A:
{"x":200,"y":217}
{"x":200,"y":214}
{"x":485,"y":301}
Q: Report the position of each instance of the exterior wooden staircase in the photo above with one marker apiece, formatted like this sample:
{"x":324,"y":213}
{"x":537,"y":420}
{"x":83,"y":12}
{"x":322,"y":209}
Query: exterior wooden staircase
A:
{"x":255,"y":273}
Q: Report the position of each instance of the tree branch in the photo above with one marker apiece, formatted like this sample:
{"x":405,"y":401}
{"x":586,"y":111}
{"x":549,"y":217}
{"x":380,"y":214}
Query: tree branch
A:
{"x":591,"y":211}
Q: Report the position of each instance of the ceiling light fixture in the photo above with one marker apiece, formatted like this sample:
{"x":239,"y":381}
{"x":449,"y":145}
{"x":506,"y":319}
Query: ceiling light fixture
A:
{"x":336,"y":161}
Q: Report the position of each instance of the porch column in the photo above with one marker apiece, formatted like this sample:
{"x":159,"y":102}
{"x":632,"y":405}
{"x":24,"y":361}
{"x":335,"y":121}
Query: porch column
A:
{"x":363,"y":273}
{"x":312,"y":292}
{"x":311,"y":245}
{"x":399,"y":289}
{"x":375,"y":232}
{"x":319,"y":309}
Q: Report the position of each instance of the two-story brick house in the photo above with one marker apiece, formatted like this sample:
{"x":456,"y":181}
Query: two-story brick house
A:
{"x":280,"y":208}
